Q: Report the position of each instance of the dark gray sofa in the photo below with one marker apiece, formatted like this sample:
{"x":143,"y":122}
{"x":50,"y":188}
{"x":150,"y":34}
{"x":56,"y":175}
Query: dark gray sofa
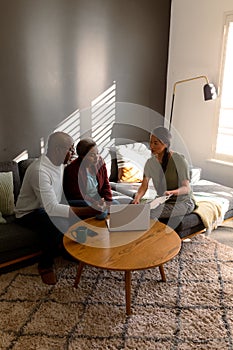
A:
{"x":18,"y":245}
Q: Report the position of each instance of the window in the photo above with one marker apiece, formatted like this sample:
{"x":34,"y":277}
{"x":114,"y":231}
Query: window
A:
{"x":224,"y":142}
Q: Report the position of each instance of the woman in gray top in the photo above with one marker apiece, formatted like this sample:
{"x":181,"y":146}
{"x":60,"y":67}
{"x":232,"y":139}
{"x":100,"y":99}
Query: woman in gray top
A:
{"x":170,"y":175}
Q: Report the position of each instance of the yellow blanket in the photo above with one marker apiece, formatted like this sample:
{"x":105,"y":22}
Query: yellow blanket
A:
{"x":210,"y":213}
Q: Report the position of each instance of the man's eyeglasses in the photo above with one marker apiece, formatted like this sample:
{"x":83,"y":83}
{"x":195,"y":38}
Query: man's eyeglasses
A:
{"x":72,"y":150}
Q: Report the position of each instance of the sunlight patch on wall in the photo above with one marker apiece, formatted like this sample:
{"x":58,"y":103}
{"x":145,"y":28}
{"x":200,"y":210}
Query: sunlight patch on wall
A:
{"x":42,"y":145}
{"x":22,"y":156}
{"x":103,"y":115}
{"x":71,"y":125}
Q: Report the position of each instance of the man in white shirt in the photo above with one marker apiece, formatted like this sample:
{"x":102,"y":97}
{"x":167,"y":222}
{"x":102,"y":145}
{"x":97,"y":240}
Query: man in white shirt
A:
{"x":39,"y":202}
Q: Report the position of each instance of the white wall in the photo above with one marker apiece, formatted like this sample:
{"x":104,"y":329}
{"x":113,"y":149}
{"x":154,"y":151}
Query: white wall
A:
{"x":195,"y":49}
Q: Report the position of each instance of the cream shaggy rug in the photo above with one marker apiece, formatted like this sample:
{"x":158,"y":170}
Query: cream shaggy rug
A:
{"x":192,"y":310}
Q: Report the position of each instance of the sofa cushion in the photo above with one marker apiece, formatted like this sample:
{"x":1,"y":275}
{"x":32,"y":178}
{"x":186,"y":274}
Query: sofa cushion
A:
{"x":130,"y":161}
{"x":17,"y":241}
{"x":23,"y":165}
{"x":12,"y":166}
{"x":6,"y":193}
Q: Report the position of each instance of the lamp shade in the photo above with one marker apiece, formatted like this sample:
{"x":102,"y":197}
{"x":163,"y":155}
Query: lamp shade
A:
{"x":209,"y":92}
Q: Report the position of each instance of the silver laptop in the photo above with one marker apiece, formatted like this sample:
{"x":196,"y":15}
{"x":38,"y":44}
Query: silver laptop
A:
{"x":129,"y":217}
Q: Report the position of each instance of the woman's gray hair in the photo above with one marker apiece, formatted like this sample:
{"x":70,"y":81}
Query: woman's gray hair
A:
{"x":163,"y":134}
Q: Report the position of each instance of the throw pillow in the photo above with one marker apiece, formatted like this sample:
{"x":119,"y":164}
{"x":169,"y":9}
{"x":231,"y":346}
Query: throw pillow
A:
{"x":6,"y":193}
{"x":131,"y":159}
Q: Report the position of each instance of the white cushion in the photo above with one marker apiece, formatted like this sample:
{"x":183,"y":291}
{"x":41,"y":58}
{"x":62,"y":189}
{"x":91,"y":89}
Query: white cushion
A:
{"x":6,"y":193}
{"x":131,"y":159}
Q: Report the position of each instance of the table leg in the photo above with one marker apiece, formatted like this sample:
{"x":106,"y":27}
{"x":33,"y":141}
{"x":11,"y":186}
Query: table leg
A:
{"x":78,"y":275}
{"x":161,"y":269}
{"x":128,"y":291}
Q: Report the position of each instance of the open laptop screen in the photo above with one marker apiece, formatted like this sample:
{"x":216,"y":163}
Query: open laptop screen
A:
{"x":129,"y":217}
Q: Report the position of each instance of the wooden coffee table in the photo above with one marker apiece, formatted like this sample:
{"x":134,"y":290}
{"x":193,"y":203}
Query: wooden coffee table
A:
{"x":123,"y":251}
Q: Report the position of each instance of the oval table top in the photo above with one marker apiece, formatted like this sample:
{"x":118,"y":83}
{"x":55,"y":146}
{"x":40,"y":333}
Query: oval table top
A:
{"x":128,"y":250}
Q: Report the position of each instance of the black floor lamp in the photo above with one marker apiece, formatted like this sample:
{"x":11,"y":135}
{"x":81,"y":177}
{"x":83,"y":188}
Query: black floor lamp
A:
{"x":209,"y":91}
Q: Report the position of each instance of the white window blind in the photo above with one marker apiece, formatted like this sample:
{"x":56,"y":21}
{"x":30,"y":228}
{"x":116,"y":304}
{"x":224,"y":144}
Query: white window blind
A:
{"x":224,"y":142}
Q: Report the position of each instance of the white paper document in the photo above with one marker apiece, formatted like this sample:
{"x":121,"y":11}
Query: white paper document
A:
{"x":159,"y":200}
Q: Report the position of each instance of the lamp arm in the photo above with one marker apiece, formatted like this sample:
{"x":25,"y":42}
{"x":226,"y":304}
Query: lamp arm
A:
{"x":170,"y":121}
{"x":189,"y":79}
{"x":209,"y":92}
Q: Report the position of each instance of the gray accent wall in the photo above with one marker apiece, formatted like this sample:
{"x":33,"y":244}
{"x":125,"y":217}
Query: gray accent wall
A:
{"x":59,"y":55}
